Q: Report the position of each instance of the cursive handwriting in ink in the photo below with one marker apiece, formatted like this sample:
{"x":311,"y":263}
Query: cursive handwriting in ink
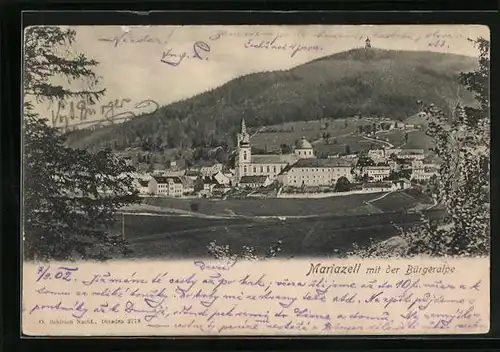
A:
{"x":131,"y":38}
{"x":199,"y":52}
{"x":277,"y":44}
{"x":117,"y":110}
{"x":240,"y":34}
{"x":108,"y":278}
{"x":153,"y":309}
{"x":65,"y":112}
{"x":226,"y":266}
{"x":77,"y":310}
{"x":215,"y":298}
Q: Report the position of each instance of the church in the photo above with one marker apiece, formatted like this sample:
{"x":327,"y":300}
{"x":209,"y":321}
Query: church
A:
{"x":268,"y":165}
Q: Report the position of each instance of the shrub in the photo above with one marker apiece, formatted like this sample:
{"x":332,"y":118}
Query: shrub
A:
{"x":195,"y":206}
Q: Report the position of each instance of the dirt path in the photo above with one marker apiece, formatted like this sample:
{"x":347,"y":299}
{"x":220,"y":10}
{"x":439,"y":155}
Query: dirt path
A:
{"x":378,"y":198}
{"x":390,"y":145}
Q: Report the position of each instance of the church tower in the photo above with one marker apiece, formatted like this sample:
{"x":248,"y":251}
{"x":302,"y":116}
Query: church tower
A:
{"x":244,"y":152}
{"x":368,"y":44}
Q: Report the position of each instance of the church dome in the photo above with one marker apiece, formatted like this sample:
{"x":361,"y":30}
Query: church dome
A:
{"x":303,"y":144}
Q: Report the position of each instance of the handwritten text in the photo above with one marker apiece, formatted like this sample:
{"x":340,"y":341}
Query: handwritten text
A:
{"x":251,"y":298}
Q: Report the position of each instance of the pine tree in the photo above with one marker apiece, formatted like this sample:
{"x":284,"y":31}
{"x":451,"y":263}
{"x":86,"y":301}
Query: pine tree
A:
{"x":70,"y":196}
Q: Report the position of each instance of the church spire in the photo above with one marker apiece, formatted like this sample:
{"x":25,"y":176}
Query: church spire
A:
{"x":243,"y":127}
{"x":243,"y":137}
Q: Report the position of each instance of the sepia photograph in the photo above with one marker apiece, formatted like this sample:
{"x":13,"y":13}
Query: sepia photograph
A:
{"x":367,"y":147}
{"x":256,"y":143}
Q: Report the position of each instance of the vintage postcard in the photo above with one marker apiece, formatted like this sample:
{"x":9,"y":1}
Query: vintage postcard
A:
{"x":256,"y":180}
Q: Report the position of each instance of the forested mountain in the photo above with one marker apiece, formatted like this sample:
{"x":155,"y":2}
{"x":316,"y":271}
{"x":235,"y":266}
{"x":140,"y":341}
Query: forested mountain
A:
{"x":361,"y":82}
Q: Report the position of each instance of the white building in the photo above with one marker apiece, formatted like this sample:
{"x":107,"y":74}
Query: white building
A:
{"x":143,"y":186}
{"x":383,"y":155}
{"x":377,"y":155}
{"x":209,"y":183}
{"x":389,"y":151}
{"x":377,"y":173}
{"x":255,"y":181}
{"x":193,"y":174}
{"x":210,"y":170}
{"x":263,"y":165}
{"x":425,"y":172}
{"x":165,"y":186}
{"x":403,"y":183}
{"x":223,"y":179}
{"x":413,"y":154}
{"x":173,"y":173}
{"x":316,"y":172}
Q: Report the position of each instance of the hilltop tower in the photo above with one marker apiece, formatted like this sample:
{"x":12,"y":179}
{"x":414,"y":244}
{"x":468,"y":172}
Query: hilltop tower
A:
{"x":244,"y":151}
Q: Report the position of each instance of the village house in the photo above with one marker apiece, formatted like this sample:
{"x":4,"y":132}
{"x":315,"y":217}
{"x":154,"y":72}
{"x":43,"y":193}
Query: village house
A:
{"x":223,"y":179}
{"x":166,"y":186}
{"x":384,"y":155}
{"x":209,"y":183}
{"x":316,"y":172}
{"x":403,"y":183}
{"x":413,"y":154}
{"x":157,"y":172}
{"x":415,"y":164}
{"x":139,"y":175}
{"x":377,"y":172}
{"x":173,"y":173}
{"x":424,"y":172}
{"x":143,"y":186}
{"x":377,"y":155}
{"x":353,"y":157}
{"x":210,"y":170}
{"x":221,"y":189}
{"x":193,"y":174}
{"x":255,"y":181}
{"x":391,"y":151}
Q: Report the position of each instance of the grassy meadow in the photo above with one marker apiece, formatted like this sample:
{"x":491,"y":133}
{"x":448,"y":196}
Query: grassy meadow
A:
{"x":343,"y":132}
{"x":321,"y":236}
{"x":344,"y":205}
{"x":319,"y":227}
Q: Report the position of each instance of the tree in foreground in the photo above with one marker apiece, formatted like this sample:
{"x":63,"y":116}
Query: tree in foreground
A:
{"x":463,"y":145}
{"x":70,"y":196}
{"x":462,"y":142}
{"x":342,"y":185}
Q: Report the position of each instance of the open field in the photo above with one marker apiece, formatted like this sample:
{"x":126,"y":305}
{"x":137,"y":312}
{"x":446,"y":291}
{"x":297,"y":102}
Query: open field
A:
{"x":338,"y":145}
{"x":338,"y":206}
{"x":288,"y":133}
{"x":167,"y":228}
{"x":395,"y":137}
{"x":342,"y":132}
{"x":399,"y":202}
{"x":348,"y":205}
{"x":419,"y":140}
{"x":320,"y":236}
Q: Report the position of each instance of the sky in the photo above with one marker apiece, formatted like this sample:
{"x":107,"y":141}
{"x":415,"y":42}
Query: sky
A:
{"x":171,"y":63}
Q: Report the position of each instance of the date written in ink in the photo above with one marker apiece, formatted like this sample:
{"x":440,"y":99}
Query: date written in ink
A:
{"x":63,"y":273}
